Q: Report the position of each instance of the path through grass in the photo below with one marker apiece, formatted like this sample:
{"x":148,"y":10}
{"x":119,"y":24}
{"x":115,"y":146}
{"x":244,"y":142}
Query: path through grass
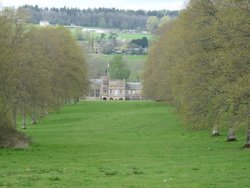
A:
{"x":102,"y":144}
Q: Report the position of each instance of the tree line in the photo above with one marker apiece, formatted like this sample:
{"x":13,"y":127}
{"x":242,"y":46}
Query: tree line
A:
{"x":201,"y":64}
{"x":97,"y":17}
{"x":41,"y":68}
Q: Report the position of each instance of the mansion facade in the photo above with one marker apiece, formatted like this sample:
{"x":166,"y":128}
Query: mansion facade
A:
{"x":106,"y":89}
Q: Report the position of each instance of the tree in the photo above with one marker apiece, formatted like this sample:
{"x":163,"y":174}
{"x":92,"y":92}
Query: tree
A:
{"x":79,"y":34}
{"x":40,"y":68}
{"x":102,"y":17}
{"x":103,"y":36}
{"x":102,"y":23}
{"x":11,"y":38}
{"x":140,"y":42}
{"x":118,"y":68}
{"x":164,"y":20}
{"x":152,"y":24}
{"x":201,"y":64}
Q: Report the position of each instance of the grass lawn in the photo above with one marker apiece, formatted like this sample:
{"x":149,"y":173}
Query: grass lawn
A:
{"x":131,"y":36}
{"x":100,"y":144}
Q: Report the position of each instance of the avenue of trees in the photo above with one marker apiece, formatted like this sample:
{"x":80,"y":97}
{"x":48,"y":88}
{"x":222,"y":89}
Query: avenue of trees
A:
{"x":201,"y":64}
{"x":41,"y":68}
{"x":98,"y":17}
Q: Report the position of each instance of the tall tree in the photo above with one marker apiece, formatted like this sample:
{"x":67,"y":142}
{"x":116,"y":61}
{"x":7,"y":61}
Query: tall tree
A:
{"x":152,"y":24}
{"x":118,"y":68}
{"x":202,"y":59}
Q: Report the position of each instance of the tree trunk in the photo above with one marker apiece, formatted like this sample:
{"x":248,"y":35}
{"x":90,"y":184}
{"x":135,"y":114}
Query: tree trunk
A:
{"x":231,"y":135}
{"x":44,"y":113}
{"x":76,"y":99}
{"x":24,"y":120}
{"x":247,"y":145}
{"x":33,"y":119}
{"x":215,"y":131}
{"x":14,"y":117}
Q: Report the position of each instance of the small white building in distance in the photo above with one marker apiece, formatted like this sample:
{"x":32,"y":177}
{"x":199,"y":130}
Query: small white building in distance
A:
{"x":44,"y":23}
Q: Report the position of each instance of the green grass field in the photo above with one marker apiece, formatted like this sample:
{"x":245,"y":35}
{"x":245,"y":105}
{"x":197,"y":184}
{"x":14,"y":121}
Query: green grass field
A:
{"x":131,"y":36}
{"x":100,"y":144}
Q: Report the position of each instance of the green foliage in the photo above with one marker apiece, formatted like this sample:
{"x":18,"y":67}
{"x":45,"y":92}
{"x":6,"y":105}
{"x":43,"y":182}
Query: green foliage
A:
{"x":201,"y":64}
{"x":118,"y":68}
{"x":79,"y":34}
{"x":41,"y":68}
{"x":97,"y":17}
{"x":152,"y":24}
{"x":164,"y":20}
{"x":140,"y":42}
{"x":124,"y":144}
{"x":99,"y":63}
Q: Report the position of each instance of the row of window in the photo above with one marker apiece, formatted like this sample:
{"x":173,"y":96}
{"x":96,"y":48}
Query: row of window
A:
{"x":119,"y":91}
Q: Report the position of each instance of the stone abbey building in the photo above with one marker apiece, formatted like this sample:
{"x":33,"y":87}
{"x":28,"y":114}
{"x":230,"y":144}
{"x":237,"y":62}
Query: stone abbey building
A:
{"x":106,"y":89}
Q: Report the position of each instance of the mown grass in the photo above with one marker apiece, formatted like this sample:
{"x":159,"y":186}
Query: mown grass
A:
{"x":100,"y":144}
{"x":131,"y":36}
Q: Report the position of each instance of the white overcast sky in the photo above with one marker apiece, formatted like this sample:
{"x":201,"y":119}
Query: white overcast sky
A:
{"x":83,"y":4}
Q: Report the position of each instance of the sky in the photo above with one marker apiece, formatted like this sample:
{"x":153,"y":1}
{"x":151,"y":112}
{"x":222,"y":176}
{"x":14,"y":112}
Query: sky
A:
{"x":83,"y":4}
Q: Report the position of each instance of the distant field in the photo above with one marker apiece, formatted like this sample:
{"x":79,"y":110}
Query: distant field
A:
{"x":102,"y":144}
{"x":131,"y":36}
{"x":121,"y":35}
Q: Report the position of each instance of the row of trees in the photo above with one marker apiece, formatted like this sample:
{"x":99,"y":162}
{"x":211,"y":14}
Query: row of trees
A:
{"x":201,"y":64}
{"x":140,"y":42}
{"x":40,"y":68}
{"x":101,"y":17}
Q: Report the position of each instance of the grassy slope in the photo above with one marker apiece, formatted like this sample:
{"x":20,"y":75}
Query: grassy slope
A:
{"x":123,"y":144}
{"x":131,"y":36}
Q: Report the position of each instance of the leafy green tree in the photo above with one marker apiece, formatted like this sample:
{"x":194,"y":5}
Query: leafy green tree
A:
{"x":12,"y":24}
{"x":79,"y":34}
{"x":164,"y":20}
{"x":152,"y":24}
{"x":118,"y":68}
{"x":102,"y":23}
{"x":103,"y":36}
{"x":141,"y":42}
{"x":201,"y":64}
{"x":41,"y":68}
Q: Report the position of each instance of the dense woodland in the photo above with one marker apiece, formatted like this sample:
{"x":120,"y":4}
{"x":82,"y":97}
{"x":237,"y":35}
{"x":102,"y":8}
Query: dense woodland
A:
{"x":98,"y":17}
{"x":201,"y":64}
{"x":41,"y":68}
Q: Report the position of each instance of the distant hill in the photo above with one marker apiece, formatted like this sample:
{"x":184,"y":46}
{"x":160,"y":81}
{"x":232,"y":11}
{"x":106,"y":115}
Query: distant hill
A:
{"x":98,"y":17}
